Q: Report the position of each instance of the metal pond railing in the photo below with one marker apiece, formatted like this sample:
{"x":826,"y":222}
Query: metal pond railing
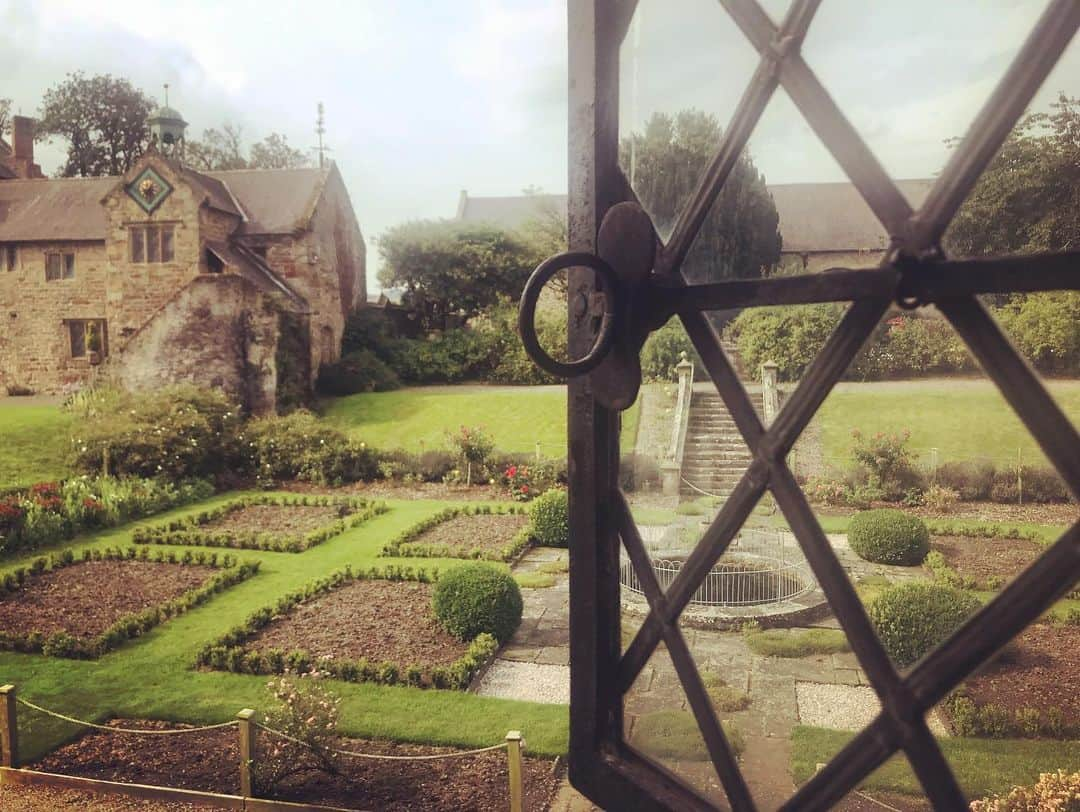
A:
{"x":762,"y":567}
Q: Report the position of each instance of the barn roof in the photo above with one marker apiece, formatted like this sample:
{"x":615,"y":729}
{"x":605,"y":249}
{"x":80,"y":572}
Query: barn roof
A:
{"x":269,"y":201}
{"x":813,"y":216}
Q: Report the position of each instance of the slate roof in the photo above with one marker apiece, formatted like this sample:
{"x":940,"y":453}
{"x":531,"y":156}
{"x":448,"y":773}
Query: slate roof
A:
{"x":276,"y":201}
{"x":833,"y":216}
{"x":29,"y":209}
{"x":813,"y":216}
{"x":269,"y":201}
{"x":250,"y":266}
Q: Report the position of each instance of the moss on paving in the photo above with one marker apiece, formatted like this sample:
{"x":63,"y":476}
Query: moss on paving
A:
{"x":674,"y":734}
{"x":796,"y":642}
{"x":534,"y":580}
{"x":982,"y":766}
{"x":153,"y":676}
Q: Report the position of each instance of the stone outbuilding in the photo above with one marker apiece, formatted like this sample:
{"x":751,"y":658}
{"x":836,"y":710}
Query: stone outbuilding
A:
{"x":237,"y":280}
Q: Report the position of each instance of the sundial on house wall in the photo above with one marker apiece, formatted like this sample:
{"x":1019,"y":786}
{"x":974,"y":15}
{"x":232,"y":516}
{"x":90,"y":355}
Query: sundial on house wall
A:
{"x":149,"y":189}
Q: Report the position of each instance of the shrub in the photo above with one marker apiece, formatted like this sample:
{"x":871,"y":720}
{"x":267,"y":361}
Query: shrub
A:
{"x":473,"y":445}
{"x":1053,"y":791}
{"x":790,"y":336}
{"x":889,"y":536}
{"x":1032,"y":484}
{"x":359,"y":371}
{"x":1046,"y":328}
{"x":940,"y":499}
{"x":971,"y":479}
{"x":663,"y":350}
{"x":550,"y":518}
{"x":449,"y":357}
{"x":913,"y":618}
{"x":478,"y":598}
{"x":510,"y":363}
{"x":179,"y":432}
{"x":299,"y":446}
{"x":886,"y":462}
{"x":308,"y":714}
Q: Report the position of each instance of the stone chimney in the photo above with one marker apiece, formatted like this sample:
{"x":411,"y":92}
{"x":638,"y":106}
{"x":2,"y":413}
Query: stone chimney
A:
{"x":21,"y":160}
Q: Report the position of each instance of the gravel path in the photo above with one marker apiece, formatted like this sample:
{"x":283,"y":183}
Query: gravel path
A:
{"x":531,"y":682}
{"x":845,"y":707}
{"x":48,"y":799}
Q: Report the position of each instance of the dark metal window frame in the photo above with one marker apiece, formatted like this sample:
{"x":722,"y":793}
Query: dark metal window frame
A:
{"x":915,"y":272}
{"x":65,"y":265}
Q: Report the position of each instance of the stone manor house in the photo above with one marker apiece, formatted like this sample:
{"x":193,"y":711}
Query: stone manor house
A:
{"x":238,"y":280}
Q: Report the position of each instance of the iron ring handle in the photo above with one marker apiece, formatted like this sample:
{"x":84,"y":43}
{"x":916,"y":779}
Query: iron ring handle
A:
{"x":527,"y":313}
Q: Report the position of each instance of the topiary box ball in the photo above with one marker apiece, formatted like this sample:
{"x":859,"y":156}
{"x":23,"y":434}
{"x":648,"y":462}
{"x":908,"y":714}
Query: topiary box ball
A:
{"x":911,"y":619}
{"x":889,"y":536}
{"x":475,"y":598}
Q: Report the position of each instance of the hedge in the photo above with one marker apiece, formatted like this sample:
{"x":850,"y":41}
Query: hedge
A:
{"x":229,"y":652}
{"x":191,"y":530}
{"x":62,"y":644}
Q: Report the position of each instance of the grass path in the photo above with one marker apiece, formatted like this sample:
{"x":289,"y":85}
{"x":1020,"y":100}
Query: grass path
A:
{"x":153,"y":676}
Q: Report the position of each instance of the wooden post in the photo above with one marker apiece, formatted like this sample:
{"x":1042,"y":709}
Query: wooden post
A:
{"x":9,"y":728}
{"x":246,"y":718}
{"x":513,"y":757}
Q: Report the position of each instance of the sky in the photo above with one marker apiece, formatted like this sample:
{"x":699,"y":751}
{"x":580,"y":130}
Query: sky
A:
{"x":425,"y":98}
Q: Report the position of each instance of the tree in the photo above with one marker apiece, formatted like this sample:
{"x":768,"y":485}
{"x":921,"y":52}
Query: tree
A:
{"x":453,"y":268}
{"x":103,"y":121}
{"x":740,"y":236}
{"x":274,"y":152}
{"x":218,"y":150}
{"x":1028,"y":199}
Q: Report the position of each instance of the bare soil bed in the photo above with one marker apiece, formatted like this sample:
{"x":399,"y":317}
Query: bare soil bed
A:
{"x":377,"y":620}
{"x":208,"y":762}
{"x":482,"y":532}
{"x":982,"y":558}
{"x":281,"y":520}
{"x":86,"y":598}
{"x":393,"y":489}
{"x":1040,"y":670}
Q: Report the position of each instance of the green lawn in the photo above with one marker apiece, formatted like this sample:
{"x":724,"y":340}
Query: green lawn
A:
{"x":982,"y":766}
{"x":153,"y":676}
{"x":35,"y":438}
{"x":517,"y":417}
{"x":963,"y":419}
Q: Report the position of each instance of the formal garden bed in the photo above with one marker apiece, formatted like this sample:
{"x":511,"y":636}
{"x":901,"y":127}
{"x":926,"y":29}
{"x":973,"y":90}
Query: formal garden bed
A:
{"x":375,"y":626}
{"x":985,"y":563}
{"x":490,"y":533}
{"x":275,"y":523}
{"x":61,"y":606}
{"x":477,"y":782}
{"x":1029,"y":691}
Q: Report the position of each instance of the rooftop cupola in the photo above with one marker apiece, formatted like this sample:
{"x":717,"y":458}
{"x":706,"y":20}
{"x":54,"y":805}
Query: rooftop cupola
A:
{"x":167,"y":128}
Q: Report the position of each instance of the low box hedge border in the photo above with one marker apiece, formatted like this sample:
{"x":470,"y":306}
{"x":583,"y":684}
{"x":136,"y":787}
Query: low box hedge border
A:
{"x":129,"y":626}
{"x":404,"y":546}
{"x":190,"y":531}
{"x":229,"y":653}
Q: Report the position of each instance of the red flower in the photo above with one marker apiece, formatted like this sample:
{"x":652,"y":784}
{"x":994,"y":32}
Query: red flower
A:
{"x":524,"y":488}
{"x":511,"y":471}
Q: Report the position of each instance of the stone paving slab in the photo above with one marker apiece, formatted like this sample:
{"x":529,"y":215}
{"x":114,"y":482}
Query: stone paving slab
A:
{"x":529,"y":682}
{"x":845,"y":707}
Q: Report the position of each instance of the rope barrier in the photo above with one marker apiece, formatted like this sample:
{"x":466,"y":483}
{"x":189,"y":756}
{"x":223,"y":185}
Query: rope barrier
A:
{"x":377,"y":757}
{"x":882,"y":804}
{"x":132,"y":731}
{"x":702,"y":491}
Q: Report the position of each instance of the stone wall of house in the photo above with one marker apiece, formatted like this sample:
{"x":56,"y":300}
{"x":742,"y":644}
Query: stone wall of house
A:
{"x":136,"y":291}
{"x":329,"y":267}
{"x":219,"y":332}
{"x":35,"y":348}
